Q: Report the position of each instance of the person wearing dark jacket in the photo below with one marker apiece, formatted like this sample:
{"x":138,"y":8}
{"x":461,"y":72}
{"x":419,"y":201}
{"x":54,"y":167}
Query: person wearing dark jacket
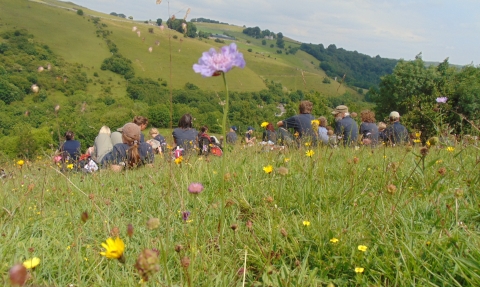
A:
{"x":345,"y":127}
{"x":396,"y":133}
{"x":70,"y":149}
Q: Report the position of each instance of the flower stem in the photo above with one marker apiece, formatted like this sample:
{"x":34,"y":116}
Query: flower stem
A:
{"x":222,"y":192}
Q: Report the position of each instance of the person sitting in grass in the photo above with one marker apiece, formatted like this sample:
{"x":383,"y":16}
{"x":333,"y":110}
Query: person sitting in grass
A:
{"x":161,"y":144}
{"x":397,"y":133}
{"x":70,"y":149}
{"x":232,"y":135}
{"x":368,"y":128}
{"x":131,"y":153}
{"x":102,"y":145}
{"x":249,"y":138}
{"x":185,"y":136}
{"x":345,"y":127}
{"x":269,"y":135}
{"x":142,"y":122}
{"x":301,"y":123}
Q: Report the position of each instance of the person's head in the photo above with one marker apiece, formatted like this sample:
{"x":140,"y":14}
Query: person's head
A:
{"x":105,"y":130}
{"x":131,"y":137}
{"x":250,"y":130}
{"x":185,"y":121}
{"x":367,"y":116}
{"x":353,"y":115}
{"x":153,"y":132}
{"x":305,"y":107}
{"x":322,"y":121}
{"x":270,"y":127}
{"x":394,"y":116}
{"x":233,"y":129}
{"x":204,"y":129}
{"x":381,"y":126}
{"x":140,"y":121}
{"x":340,"y":111}
{"x":69,"y":135}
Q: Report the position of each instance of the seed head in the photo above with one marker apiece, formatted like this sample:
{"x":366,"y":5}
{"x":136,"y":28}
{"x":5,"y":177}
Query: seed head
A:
{"x":115,"y":232}
{"x":185,"y":262}
{"x":442,"y":171}
{"x":84,"y":216}
{"x":18,"y":274}
{"x":130,"y":230}
{"x":153,"y":223}
{"x":391,"y":188}
{"x":234,"y":227}
{"x":178,"y":248}
{"x":147,"y":263}
{"x":424,"y":151}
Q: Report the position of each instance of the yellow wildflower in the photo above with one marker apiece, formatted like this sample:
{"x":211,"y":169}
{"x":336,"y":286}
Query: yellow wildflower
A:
{"x":70,"y":166}
{"x":334,"y":240}
{"x":418,"y":134}
{"x":362,"y":248}
{"x":20,"y":162}
{"x":179,"y":160}
{"x":359,"y":269}
{"x":268,"y":169}
{"x":450,"y":149}
{"x":286,"y":159}
{"x":315,"y":123}
{"x":310,"y":153}
{"x":264,"y":124}
{"x":308,"y":144}
{"x":31,"y":263}
{"x":306,"y":223}
{"x":113,"y":249}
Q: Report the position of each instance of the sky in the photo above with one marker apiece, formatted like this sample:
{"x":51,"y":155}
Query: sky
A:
{"x":397,"y":29}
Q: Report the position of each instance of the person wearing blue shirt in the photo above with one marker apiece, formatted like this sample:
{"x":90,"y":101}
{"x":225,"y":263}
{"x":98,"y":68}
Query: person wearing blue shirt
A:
{"x":345,"y":127}
{"x":301,"y":123}
{"x":70,"y":149}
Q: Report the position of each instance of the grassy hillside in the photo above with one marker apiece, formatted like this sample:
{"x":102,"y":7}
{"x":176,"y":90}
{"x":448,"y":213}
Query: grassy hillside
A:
{"x":73,"y":37}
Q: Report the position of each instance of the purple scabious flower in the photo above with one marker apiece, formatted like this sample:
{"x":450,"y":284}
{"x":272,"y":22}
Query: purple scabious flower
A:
{"x":442,"y":100}
{"x":185,"y":215}
{"x":213,"y":63}
{"x":195,"y":187}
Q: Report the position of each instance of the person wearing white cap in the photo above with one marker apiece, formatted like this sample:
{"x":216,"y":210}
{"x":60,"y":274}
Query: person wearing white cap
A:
{"x":345,"y":128}
{"x":396,"y":133}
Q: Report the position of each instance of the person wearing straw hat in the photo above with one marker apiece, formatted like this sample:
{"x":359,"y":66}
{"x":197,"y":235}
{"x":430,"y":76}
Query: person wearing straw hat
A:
{"x":345,"y":127}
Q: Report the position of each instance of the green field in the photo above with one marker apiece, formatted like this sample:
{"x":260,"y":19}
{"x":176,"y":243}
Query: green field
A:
{"x":73,"y":38}
{"x":303,"y":224}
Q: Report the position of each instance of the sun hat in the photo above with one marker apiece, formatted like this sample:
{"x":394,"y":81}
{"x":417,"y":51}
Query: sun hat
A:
{"x":340,"y":109}
{"x":132,"y":131}
{"x":394,"y":115}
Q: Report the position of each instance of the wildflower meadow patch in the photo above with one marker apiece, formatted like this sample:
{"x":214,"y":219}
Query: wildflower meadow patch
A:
{"x":389,"y":218}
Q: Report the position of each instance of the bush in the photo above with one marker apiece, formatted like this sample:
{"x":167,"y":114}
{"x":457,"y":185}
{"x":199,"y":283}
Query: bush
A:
{"x":250,"y":50}
{"x":80,"y":12}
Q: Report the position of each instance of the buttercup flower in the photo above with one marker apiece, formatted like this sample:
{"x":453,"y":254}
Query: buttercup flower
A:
{"x":450,"y":149}
{"x":31,"y":263}
{"x":286,"y":159}
{"x":362,"y":248}
{"x":114,"y":249}
{"x":178,"y":160}
{"x":264,"y":124}
{"x":195,"y":187}
{"x":310,"y":153}
{"x":268,"y":169}
{"x":70,"y":166}
{"x":306,"y":223}
{"x":213,"y":63}
{"x":315,"y":123}
{"x":442,"y":100}
{"x":334,"y":240}
{"x":359,"y":269}
{"x":20,"y":162}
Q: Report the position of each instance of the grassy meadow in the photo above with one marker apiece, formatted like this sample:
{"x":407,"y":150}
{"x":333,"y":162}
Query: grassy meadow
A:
{"x":73,"y":38}
{"x":342,"y":217}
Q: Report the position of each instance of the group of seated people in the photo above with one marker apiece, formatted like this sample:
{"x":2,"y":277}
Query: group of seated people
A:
{"x":345,"y":131}
{"x":126,"y":147}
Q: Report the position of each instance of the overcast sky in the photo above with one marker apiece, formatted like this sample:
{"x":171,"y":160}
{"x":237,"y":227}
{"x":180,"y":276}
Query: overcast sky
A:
{"x":389,"y":28}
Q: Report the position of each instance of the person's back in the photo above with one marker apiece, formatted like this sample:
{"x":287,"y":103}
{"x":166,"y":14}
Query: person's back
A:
{"x":102,"y":145}
{"x":396,"y":133}
{"x":70,"y":149}
{"x":119,"y":154}
{"x":116,"y":137}
{"x":347,"y":128}
{"x":185,"y":136}
{"x":232,"y":135}
{"x":369,"y":131}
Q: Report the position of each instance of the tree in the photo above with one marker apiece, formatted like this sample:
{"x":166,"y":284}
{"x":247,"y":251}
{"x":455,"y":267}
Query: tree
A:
{"x":279,"y":35}
{"x":264,"y":42}
{"x":80,"y":12}
{"x":280,"y":42}
{"x":114,"y":14}
{"x":159,"y":21}
{"x":122,"y":16}
{"x":130,"y":17}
